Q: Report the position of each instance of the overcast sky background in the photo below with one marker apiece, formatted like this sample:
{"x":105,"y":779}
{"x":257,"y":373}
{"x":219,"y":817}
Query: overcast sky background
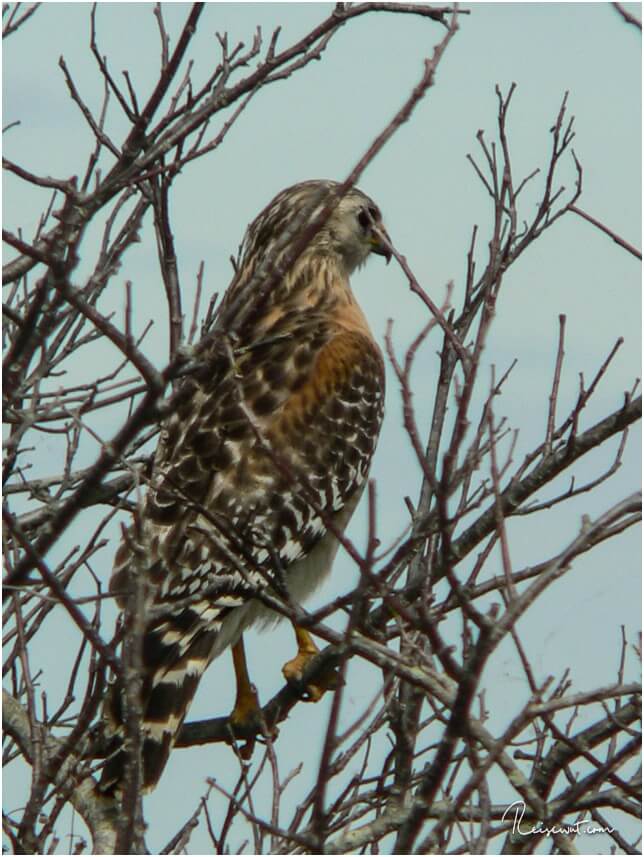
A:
{"x":317,"y":125}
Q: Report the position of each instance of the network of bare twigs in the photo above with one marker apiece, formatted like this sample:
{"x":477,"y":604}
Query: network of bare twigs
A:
{"x":432,"y":790}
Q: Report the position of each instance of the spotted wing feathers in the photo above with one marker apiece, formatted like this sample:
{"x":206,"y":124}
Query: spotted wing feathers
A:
{"x":250,"y":468}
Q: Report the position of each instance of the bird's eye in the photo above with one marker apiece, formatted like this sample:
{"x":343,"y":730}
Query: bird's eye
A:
{"x":368,"y":216}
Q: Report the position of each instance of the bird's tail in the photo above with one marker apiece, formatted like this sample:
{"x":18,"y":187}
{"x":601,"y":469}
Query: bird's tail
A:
{"x":177,"y":648}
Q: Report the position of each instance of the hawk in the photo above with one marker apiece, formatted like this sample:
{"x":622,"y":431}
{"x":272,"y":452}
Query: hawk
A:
{"x":261,"y":461}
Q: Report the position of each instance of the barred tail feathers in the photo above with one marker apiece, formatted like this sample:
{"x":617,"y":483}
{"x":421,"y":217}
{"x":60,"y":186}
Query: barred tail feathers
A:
{"x":176,"y":651}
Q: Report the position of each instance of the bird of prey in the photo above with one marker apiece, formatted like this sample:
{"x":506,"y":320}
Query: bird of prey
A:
{"x":260,"y":463}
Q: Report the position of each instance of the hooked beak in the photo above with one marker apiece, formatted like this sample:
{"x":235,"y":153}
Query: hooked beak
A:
{"x":380,"y":242}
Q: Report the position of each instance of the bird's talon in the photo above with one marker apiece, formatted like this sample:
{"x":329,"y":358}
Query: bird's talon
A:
{"x":313,"y":691}
{"x":245,"y":719}
{"x":246,"y":750}
{"x":269,"y":734}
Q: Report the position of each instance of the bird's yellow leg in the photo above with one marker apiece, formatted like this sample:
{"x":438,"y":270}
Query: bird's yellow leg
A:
{"x":247,"y":711}
{"x":294,"y":669}
{"x":247,"y":707}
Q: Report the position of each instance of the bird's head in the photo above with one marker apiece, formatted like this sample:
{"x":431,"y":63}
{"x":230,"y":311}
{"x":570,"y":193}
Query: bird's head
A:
{"x":352,"y":231}
{"x":355,"y":229}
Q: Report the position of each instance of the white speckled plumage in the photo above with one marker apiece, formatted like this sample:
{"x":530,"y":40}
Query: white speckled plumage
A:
{"x":256,"y":453}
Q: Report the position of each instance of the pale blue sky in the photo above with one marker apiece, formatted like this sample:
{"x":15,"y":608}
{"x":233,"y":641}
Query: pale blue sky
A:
{"x":317,"y":125}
